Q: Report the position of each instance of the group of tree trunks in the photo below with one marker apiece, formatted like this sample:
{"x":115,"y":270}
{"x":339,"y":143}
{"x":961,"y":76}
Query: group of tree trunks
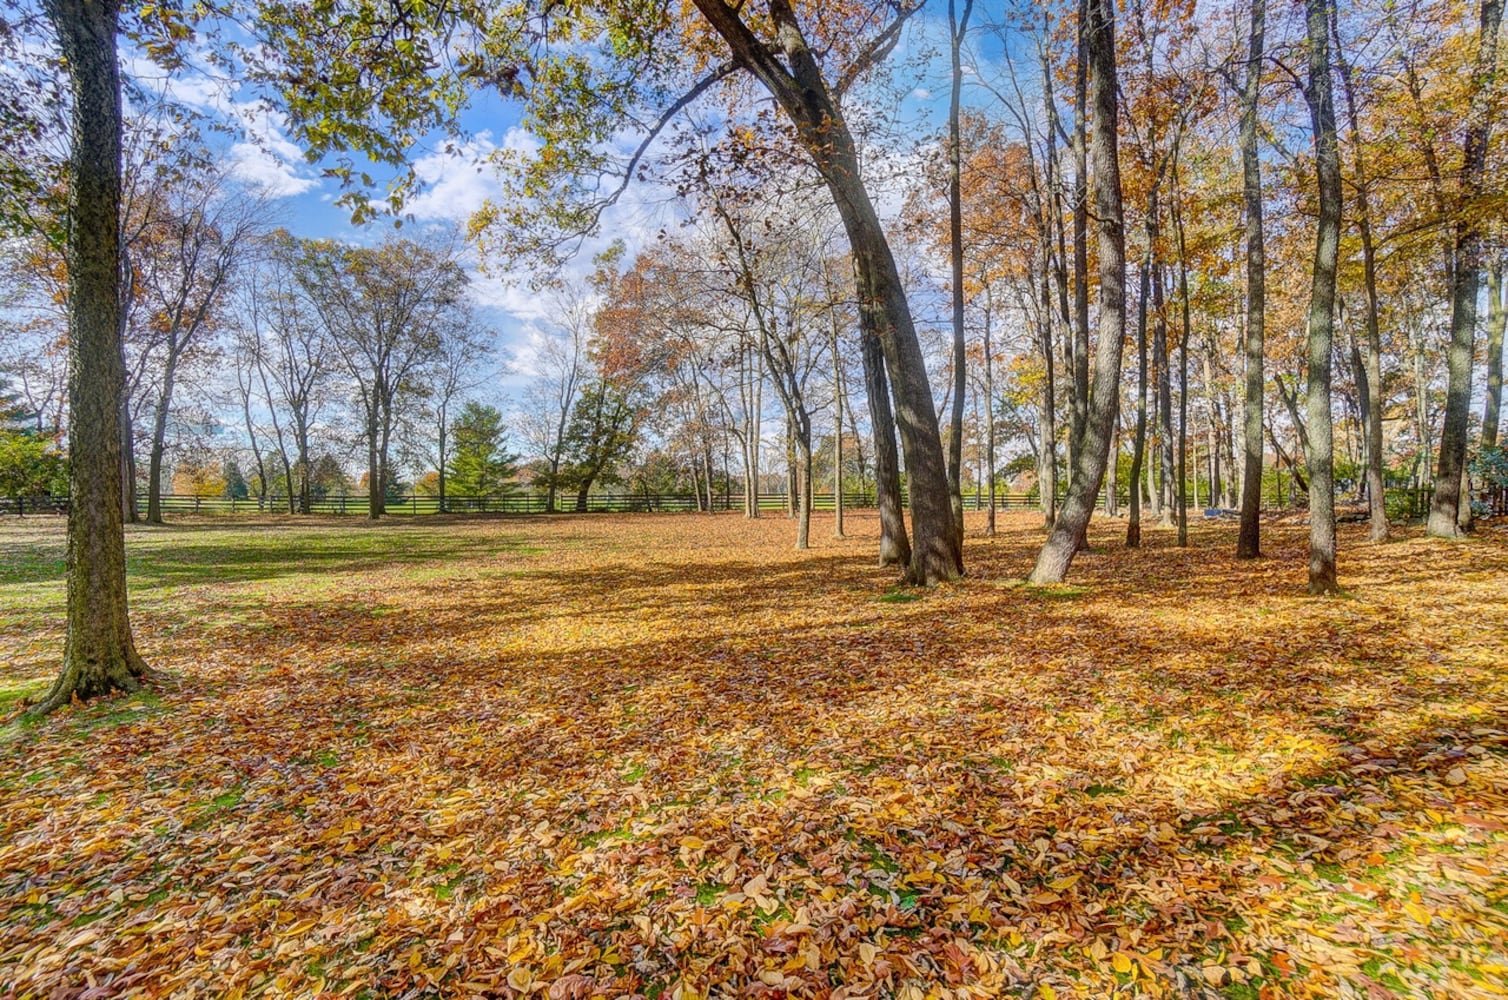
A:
{"x":99,"y":655}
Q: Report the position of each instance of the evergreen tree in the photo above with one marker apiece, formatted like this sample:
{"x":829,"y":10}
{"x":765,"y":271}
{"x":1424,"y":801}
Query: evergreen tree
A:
{"x":480,"y":465}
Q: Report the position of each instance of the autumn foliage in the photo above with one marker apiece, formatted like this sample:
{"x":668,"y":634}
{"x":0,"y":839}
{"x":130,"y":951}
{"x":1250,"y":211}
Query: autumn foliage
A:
{"x":668,"y":756}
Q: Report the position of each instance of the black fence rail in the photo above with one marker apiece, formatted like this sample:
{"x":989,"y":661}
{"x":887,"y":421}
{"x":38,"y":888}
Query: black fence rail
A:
{"x":1403,"y":504}
{"x":510,"y":503}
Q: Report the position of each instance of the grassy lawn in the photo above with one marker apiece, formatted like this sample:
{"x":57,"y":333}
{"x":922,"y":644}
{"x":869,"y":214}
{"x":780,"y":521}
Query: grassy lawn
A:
{"x":670,"y":756}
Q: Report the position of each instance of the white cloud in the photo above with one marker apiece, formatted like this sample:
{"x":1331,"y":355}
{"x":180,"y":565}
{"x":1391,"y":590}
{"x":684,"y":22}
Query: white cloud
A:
{"x":266,"y":172}
{"x":456,"y":183}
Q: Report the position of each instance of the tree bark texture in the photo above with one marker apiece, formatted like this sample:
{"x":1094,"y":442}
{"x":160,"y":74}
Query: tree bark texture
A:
{"x":798,"y":86}
{"x":1445,"y":512}
{"x":1319,"y":446}
{"x":1089,"y":459}
{"x":1249,"y":538}
{"x":98,"y":653}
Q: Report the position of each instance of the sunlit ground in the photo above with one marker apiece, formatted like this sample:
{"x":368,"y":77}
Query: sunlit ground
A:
{"x":671,"y":756}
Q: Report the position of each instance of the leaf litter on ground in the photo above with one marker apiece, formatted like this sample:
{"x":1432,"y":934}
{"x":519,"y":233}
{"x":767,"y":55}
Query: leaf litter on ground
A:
{"x":669,"y":756}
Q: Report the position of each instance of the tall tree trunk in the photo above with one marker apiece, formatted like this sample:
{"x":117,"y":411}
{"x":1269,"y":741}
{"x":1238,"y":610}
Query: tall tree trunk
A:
{"x":99,"y":655}
{"x":1212,"y":428}
{"x":1112,"y":470}
{"x":792,"y":485}
{"x":957,"y":26}
{"x":839,"y":395}
{"x":1167,"y":505}
{"x":801,"y":91}
{"x":1139,"y":442}
{"x":989,"y":410}
{"x":374,"y":471}
{"x":1497,"y":320}
{"x":1089,"y":459}
{"x":127,"y":450}
{"x":1183,"y":363}
{"x":1448,"y":506}
{"x":804,"y":478}
{"x":1081,"y":225}
{"x":159,"y":441}
{"x":1319,"y":448}
{"x":440,"y":439}
{"x":1369,"y":381}
{"x":1047,"y":428}
{"x":895,"y":547}
{"x":1249,"y":540}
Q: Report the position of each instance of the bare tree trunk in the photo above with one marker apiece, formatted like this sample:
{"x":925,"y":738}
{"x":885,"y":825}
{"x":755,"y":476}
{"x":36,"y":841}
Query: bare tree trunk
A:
{"x":801,"y":91}
{"x":1319,"y":449}
{"x":1047,"y":452}
{"x":1081,"y":226}
{"x":792,"y":485}
{"x":1249,"y":541}
{"x":99,"y":655}
{"x":1112,"y":470}
{"x":1369,"y":379}
{"x":1183,"y":363}
{"x":374,"y":471}
{"x":1497,"y":321}
{"x":804,"y":476}
{"x":989,"y":411}
{"x":1167,"y":505}
{"x":1089,"y":460}
{"x":127,"y":463}
{"x":895,"y":547}
{"x":159,"y":442}
{"x":1212,"y":428}
{"x":957,"y":26}
{"x":839,"y":395}
{"x":1448,"y":506}
{"x":1139,"y":442}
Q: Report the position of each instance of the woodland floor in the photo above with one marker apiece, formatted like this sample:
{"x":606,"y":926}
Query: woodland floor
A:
{"x":670,"y":756}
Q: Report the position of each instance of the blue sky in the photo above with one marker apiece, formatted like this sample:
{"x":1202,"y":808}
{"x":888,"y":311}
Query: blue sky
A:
{"x":454,"y":186}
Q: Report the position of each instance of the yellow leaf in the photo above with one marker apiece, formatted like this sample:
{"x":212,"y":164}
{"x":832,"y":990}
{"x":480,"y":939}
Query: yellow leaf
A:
{"x":1065,"y":882}
{"x":1048,"y":993}
{"x":1121,"y":962}
{"x":1420,"y":914}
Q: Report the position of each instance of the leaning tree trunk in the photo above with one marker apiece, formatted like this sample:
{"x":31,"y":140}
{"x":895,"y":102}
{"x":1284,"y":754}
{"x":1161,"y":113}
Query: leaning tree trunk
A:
{"x":1319,"y":449}
{"x":803,"y":94}
{"x":1446,"y":509}
{"x":1089,"y":459}
{"x":935,"y":550}
{"x":895,"y":547}
{"x":1249,"y":540}
{"x":98,"y":654}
